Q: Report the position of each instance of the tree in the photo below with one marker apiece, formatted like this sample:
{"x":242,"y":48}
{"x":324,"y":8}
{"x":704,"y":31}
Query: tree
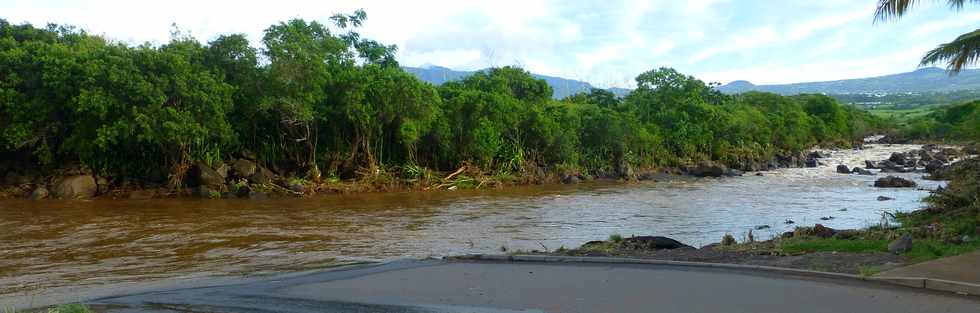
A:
{"x":962,"y":51}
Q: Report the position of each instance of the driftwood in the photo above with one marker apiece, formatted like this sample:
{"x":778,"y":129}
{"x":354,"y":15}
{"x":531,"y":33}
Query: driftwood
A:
{"x":457,"y":172}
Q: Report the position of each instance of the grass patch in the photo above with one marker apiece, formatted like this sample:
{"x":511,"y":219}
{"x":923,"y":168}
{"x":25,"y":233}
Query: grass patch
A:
{"x":930,"y":249}
{"x":800,"y":246}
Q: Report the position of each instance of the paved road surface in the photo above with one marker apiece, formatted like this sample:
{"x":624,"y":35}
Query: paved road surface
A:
{"x":439,"y":286}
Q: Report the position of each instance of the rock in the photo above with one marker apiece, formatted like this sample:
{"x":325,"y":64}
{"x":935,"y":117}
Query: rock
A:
{"x":812,"y":163}
{"x":223,"y":170}
{"x":787,"y":222}
{"x":883,"y":198}
{"x":262,"y":176}
{"x":934,"y":165}
{"x":847,"y":234}
{"x":899,"y":158}
{"x":625,"y":170}
{"x":39,"y":193}
{"x":651,"y":243}
{"x":822,"y":231}
{"x":761,"y":227}
{"x":647,"y":176}
{"x":826,"y":218}
{"x":242,"y":168}
{"x":733,"y":172}
{"x":901,"y":245}
{"x":971,"y":150}
{"x":870,"y":164}
{"x":760,"y":174}
{"x":894,"y":182}
{"x":843,"y":169}
{"x":297,"y":187}
{"x":204,"y":191}
{"x":817,"y":155}
{"x":202,"y":175}
{"x":570,"y":179}
{"x":708,"y":169}
{"x":861,"y":171}
{"x":787,"y":235}
{"x":76,"y":187}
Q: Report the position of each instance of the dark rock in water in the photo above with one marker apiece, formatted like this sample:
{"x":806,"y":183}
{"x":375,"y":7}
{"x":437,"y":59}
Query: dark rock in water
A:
{"x":39,"y":193}
{"x":822,"y":231}
{"x":826,"y":218}
{"x":971,"y":149}
{"x":204,"y":191}
{"x":934,"y":165}
{"x":899,"y":158}
{"x":647,"y":176}
{"x":733,"y":172}
{"x":843,"y":169}
{"x":297,"y":187}
{"x":651,"y":243}
{"x":787,"y":235}
{"x":761,"y":227}
{"x":708,"y":169}
{"x":901,"y":245}
{"x":894,"y":182}
{"x":76,"y":187}
{"x":789,"y":222}
{"x":870,"y":164}
{"x":812,"y":163}
{"x":843,"y":210}
{"x":760,"y":174}
{"x":861,"y":171}
{"x":883,"y":198}
{"x":817,"y":155}
{"x":570,"y":179}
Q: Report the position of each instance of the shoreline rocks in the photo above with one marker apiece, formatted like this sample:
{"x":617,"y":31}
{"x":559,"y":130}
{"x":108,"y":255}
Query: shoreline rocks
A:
{"x":894,"y":182}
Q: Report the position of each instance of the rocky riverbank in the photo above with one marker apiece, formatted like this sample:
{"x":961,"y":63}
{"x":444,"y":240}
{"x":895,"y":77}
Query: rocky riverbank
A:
{"x":249,"y":179}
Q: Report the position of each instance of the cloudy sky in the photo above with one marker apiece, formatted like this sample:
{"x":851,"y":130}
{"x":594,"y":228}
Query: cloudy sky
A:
{"x":603,"y":42}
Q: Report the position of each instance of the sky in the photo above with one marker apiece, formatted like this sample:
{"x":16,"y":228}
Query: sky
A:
{"x":606,"y":43}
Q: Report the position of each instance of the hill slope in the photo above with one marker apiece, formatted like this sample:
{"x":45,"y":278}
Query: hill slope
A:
{"x":930,"y":79}
{"x":563,"y":87}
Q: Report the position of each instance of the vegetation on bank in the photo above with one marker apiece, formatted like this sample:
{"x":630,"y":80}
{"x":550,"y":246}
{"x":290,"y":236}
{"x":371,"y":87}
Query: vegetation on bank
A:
{"x":951,"y":123}
{"x":320,"y":102}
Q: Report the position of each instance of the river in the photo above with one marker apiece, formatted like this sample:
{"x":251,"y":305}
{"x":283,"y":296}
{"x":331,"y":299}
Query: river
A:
{"x":49,"y":244}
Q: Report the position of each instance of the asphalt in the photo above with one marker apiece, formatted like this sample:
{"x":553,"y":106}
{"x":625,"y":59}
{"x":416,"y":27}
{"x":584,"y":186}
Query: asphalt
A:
{"x":459,"y":286}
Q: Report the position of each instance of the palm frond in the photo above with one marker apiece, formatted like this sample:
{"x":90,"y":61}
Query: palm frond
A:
{"x":961,"y":52}
{"x":888,"y":9}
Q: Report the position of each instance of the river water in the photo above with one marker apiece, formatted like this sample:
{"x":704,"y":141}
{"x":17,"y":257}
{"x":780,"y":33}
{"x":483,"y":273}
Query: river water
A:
{"x":47,"y":244}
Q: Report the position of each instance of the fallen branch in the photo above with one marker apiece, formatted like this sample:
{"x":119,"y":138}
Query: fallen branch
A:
{"x":457,"y":172}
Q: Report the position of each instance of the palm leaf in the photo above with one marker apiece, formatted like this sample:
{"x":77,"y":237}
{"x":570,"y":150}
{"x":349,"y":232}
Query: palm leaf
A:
{"x":896,"y":8}
{"x":961,"y":52}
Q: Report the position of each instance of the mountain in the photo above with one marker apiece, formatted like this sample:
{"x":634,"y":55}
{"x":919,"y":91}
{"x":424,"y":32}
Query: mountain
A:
{"x":563,"y":87}
{"x":931,"y":79}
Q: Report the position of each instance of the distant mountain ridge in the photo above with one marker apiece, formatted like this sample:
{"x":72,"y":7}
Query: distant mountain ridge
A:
{"x":563,"y":87}
{"x":931,"y":79}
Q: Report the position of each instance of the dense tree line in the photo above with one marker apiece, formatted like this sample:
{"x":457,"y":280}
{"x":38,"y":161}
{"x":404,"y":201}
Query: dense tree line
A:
{"x":956,"y":123}
{"x":321,"y":100}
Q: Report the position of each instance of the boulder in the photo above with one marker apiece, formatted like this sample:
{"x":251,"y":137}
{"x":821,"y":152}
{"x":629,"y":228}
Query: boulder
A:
{"x":899,"y":158}
{"x":971,"y":150}
{"x":651,"y":243}
{"x":242,"y":168}
{"x":39,"y":193}
{"x":262,"y":175}
{"x":822,"y":231}
{"x":870,"y":164}
{"x":570,"y":179}
{"x":934,"y":166}
{"x":647,"y":176}
{"x":76,"y":187}
{"x":733,"y":172}
{"x":817,"y":155}
{"x":297,"y":187}
{"x":205,"y":191}
{"x":761,"y":227}
{"x":894,"y":182}
{"x":843,"y":169}
{"x":202,"y":175}
{"x":223,"y":170}
{"x":883,"y":198}
{"x":901,"y":245}
{"x":708,"y":169}
{"x":847,"y":234}
{"x":812,"y":163}
{"x":861,"y":171}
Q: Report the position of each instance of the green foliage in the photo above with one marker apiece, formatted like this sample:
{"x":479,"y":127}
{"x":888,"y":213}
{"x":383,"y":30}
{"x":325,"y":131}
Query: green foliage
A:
{"x":958,"y":123}
{"x":318,"y":96}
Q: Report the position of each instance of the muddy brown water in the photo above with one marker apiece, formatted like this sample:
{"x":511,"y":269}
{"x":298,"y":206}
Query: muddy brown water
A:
{"x":50,"y":244}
